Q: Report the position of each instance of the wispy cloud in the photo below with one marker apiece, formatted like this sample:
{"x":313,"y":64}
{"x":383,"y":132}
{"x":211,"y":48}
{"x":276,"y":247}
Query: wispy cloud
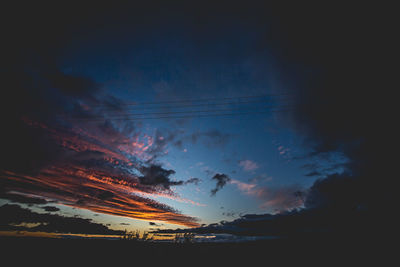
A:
{"x":276,"y":199}
{"x":248,"y":165}
{"x":98,"y":192}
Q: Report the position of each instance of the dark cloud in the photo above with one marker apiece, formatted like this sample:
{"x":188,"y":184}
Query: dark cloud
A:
{"x":342,"y":105}
{"x":104,"y":195}
{"x":303,"y":223}
{"x":72,"y":85}
{"x":195,"y":181}
{"x":124,"y":223}
{"x":23,"y":198}
{"x":50,"y":208}
{"x":155,"y":175}
{"x":221,"y":179}
{"x":336,"y":191}
{"x":313,"y":173}
{"x":14,"y":215}
{"x":154,"y":224}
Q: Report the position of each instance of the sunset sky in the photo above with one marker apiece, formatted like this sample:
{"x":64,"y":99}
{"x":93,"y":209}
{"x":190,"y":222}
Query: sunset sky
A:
{"x":166,"y":116}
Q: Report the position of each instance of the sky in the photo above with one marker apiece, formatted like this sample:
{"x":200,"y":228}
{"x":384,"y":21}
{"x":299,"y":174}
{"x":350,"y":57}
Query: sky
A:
{"x":170,"y":116}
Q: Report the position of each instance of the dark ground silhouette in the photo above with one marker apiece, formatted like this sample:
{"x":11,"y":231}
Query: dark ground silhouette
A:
{"x":319,"y":250}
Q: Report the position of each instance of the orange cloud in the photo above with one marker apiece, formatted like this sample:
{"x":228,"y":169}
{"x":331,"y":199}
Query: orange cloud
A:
{"x":97,"y":173}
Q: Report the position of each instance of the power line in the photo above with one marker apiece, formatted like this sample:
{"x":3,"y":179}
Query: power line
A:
{"x":195,"y":116}
{"x":195,"y":105}
{"x":123,"y":116}
{"x":197,"y":100}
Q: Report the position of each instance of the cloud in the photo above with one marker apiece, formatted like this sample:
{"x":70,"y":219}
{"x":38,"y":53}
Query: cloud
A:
{"x":97,"y":191}
{"x":229,"y":214}
{"x":337,"y":191}
{"x":277,"y":199}
{"x":282,"y":150}
{"x":261,"y":178}
{"x":154,"y":224}
{"x":248,"y":165}
{"x":13,"y":215}
{"x":50,"y":208}
{"x":211,"y":138}
{"x":221,"y":179}
{"x":335,"y":108}
{"x":22,"y":198}
{"x":195,"y":181}
{"x":327,"y":105}
{"x":313,"y":173}
{"x":344,"y":101}
{"x":303,"y":223}
{"x":73,"y":151}
{"x":155,"y":175}
{"x":104,"y":195}
{"x":279,"y":225}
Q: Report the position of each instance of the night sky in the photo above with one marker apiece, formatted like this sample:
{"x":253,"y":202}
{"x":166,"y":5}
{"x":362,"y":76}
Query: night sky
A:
{"x":250,"y":119}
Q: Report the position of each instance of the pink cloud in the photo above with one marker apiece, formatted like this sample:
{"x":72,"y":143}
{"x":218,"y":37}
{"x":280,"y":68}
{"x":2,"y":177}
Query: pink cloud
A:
{"x":283,"y":150}
{"x":247,"y":188}
{"x":277,"y":199}
{"x":248,"y":165}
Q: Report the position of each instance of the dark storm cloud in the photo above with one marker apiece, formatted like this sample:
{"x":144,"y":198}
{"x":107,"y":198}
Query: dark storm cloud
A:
{"x":336,"y":191}
{"x":342,"y":103}
{"x":221,"y":179}
{"x":14,"y":215}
